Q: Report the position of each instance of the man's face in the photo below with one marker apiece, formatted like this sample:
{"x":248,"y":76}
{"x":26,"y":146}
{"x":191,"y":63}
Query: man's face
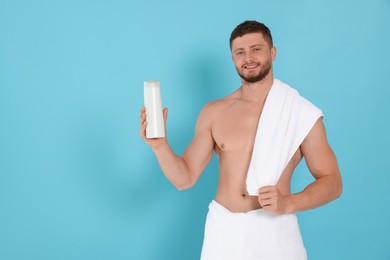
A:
{"x":252,"y":57}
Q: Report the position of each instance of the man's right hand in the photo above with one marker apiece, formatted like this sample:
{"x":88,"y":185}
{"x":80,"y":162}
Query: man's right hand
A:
{"x":153,"y":142}
{"x":182,"y":171}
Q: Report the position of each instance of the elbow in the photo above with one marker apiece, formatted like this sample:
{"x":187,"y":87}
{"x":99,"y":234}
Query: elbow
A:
{"x":184,"y":186}
{"x":187,"y":180}
{"x":338,"y":189}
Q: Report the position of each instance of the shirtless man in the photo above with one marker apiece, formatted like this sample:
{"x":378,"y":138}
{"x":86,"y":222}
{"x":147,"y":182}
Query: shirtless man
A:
{"x":228,"y":127}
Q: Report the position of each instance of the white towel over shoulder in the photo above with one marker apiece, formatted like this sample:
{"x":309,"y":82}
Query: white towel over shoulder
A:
{"x":285,"y":121}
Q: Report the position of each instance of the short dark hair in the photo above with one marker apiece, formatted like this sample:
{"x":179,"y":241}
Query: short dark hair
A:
{"x":251,"y":27}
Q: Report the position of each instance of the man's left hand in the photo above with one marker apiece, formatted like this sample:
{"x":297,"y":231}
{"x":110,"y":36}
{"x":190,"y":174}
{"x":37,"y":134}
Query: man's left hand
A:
{"x":272,"y":200}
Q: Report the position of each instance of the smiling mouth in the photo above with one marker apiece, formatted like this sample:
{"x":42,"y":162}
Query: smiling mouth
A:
{"x":251,"y":66}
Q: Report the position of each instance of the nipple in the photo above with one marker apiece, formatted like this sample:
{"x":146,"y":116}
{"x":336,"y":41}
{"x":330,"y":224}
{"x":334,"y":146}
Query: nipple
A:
{"x":222,"y":146}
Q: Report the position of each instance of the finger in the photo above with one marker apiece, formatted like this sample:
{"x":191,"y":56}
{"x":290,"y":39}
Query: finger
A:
{"x":269,"y":202}
{"x":265,"y":199}
{"x":269,"y":198}
{"x":268,"y":208}
{"x":143,"y":118}
{"x":266,"y":189}
{"x":142,"y":135}
{"x":265,"y":195}
{"x":266,"y":203}
{"x":143,"y":129}
{"x":165,"y":115}
{"x":142,"y":111}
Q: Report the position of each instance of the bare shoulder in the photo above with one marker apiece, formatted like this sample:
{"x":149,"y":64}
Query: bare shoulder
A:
{"x":315,"y":148}
{"x":319,"y":155}
{"x":213,"y":109}
{"x":317,"y":133}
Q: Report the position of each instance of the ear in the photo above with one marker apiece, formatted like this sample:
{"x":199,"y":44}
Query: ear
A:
{"x":273,"y":53}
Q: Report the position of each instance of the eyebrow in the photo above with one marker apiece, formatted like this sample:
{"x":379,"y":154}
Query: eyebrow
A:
{"x":252,"y":46}
{"x":257,"y":45}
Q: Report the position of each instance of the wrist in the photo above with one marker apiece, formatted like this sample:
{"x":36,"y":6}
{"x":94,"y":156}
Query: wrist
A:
{"x":159,"y":145}
{"x":290,"y":205}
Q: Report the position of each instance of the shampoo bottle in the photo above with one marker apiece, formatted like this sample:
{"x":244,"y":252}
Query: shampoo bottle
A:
{"x":154,"y":113}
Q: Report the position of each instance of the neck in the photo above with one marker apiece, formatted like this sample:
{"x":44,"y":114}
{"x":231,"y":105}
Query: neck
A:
{"x":257,"y":91}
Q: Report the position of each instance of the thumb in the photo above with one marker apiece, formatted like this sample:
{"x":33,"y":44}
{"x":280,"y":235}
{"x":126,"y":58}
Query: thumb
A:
{"x":165,"y":115}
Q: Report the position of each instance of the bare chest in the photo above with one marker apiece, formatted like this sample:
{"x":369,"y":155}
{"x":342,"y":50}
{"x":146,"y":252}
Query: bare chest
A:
{"x":235,"y":129}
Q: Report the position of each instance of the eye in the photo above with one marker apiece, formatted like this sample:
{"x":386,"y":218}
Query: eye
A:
{"x":239,"y":53}
{"x":257,"y":49}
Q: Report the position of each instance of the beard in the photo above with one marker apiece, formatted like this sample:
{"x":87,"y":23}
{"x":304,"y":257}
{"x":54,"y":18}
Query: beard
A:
{"x":252,"y":78}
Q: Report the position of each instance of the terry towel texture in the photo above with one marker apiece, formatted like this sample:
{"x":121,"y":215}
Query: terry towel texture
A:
{"x":285,"y":121}
{"x":255,"y":235}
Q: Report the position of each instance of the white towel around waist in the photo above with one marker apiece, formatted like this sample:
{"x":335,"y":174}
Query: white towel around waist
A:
{"x":253,"y":235}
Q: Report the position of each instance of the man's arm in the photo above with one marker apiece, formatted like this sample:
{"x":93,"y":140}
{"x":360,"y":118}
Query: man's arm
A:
{"x":183,"y":171}
{"x":322,"y":164}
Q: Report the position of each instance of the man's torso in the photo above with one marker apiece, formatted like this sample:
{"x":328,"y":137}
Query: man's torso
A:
{"x":233,"y":128}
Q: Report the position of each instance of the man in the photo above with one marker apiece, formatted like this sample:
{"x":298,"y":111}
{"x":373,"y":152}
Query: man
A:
{"x":240,"y":226}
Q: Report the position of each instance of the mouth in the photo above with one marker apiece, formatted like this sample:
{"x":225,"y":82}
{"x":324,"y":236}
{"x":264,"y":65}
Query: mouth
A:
{"x":251,"y":66}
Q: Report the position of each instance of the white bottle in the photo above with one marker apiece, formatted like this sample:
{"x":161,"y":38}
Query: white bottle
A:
{"x":154,"y":113}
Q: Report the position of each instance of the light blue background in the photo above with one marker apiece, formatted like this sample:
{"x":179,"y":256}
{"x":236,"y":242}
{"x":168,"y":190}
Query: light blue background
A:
{"x":77,"y":182}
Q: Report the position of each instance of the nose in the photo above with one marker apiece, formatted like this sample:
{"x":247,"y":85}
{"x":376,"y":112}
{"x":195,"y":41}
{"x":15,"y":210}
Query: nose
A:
{"x":248,"y":57}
